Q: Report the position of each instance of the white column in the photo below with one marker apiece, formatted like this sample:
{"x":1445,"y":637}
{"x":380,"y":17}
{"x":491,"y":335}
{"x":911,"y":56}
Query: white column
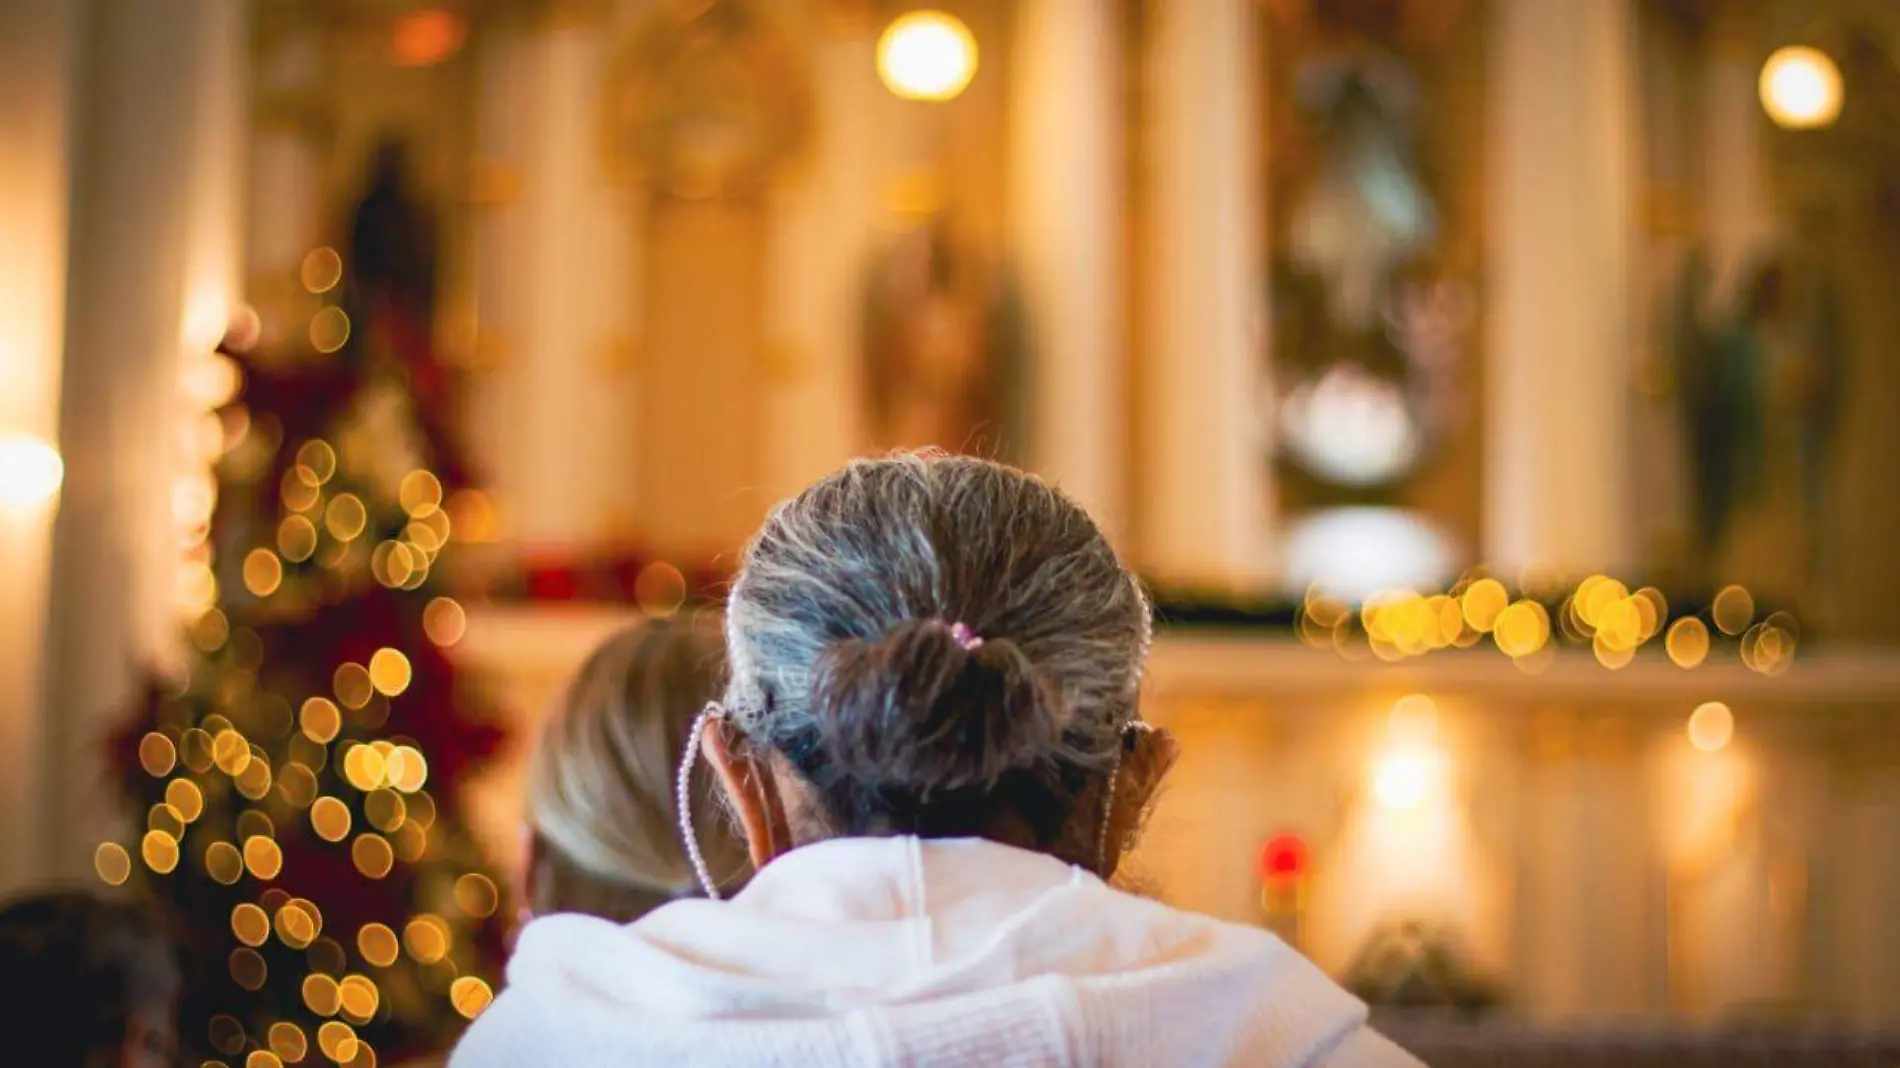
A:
{"x":39,"y":47}
{"x":1202,"y":448}
{"x":819,"y":243}
{"x":1066,"y":203}
{"x":149,"y":284}
{"x":285,"y":220}
{"x":1561,"y":137}
{"x":556,"y":293}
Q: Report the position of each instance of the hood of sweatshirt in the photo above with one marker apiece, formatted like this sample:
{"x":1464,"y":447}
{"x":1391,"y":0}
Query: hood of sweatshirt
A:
{"x":899,"y":951}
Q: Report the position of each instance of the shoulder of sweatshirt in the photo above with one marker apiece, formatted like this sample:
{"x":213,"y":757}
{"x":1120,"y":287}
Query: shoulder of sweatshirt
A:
{"x":1365,"y":1048}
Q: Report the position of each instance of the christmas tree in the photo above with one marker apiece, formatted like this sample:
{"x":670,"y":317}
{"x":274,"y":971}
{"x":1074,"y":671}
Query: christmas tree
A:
{"x":295,"y":793}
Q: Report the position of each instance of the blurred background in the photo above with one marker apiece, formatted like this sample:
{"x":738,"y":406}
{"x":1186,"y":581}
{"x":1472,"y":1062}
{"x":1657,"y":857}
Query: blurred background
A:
{"x":1498,"y":395}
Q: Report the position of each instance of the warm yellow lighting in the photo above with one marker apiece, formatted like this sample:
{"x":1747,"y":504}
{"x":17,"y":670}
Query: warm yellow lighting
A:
{"x":926,"y":55}
{"x":406,"y":769}
{"x":426,"y":938}
{"x":1522,"y":629}
{"x":1801,"y":88}
{"x":389,"y":671}
{"x":185,"y":798}
{"x":322,"y":269}
{"x":444,"y":621}
{"x":420,"y":493}
{"x":263,"y":857}
{"x":157,"y":755}
{"x":470,"y":995}
{"x":476,"y":895}
{"x":223,"y":863}
{"x":112,"y":863}
{"x":359,"y":996}
{"x":298,"y":923}
{"x":287,"y":1041}
{"x":1414,"y":720}
{"x":372,"y":855}
{"x":329,"y":329}
{"x":384,"y":810}
{"x":353,"y":686}
{"x":337,"y":1040}
{"x":1733,"y":610}
{"x":320,"y":719}
{"x":330,"y":818}
{"x":377,"y":943}
{"x":345,"y":517}
{"x":320,"y":995}
{"x":1687,"y":642}
{"x":160,"y":851}
{"x":249,"y":924}
{"x":660,"y":589}
{"x":1402,"y":781}
{"x":248,"y":969}
{"x":1711,"y":726}
{"x":30,"y":471}
{"x":263,"y":572}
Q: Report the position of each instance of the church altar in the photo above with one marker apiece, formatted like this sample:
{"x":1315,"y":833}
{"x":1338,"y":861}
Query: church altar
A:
{"x":1595,"y":853}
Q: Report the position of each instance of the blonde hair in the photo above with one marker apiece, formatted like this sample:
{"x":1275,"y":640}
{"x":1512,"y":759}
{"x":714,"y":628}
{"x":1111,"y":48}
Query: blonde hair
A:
{"x":601,"y":781}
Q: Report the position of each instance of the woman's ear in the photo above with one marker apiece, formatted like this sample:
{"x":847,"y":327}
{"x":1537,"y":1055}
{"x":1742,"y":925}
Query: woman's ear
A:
{"x":751,"y":793}
{"x":1151,"y":756}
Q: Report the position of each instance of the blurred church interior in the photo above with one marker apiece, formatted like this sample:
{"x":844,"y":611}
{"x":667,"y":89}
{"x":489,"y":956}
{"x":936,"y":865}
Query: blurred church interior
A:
{"x":1499,"y":396}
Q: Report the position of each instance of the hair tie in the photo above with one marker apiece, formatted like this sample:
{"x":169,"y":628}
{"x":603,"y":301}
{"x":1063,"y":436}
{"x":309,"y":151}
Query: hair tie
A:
{"x":964,"y":636}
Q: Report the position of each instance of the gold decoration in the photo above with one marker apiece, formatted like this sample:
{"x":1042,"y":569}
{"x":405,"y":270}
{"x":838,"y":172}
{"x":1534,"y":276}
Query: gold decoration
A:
{"x":705,"y":101}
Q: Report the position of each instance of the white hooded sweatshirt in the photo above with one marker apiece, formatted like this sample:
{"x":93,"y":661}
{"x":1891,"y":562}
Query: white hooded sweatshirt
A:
{"x":865,"y":952}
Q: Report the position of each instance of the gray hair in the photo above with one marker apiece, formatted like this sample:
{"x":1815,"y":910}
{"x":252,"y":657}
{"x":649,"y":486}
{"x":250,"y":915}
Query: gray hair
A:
{"x":843,"y":657}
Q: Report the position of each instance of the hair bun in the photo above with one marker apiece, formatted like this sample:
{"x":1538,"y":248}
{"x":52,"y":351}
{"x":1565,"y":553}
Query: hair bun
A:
{"x":917,"y":710}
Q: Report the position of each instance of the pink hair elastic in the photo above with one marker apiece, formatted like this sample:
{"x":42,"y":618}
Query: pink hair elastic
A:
{"x":964,"y":636}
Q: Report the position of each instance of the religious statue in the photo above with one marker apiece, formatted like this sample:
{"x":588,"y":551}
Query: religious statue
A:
{"x":939,"y":346}
{"x":1759,"y":393}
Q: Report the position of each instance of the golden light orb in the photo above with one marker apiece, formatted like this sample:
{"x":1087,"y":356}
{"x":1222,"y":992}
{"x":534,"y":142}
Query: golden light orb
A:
{"x":31,"y":471}
{"x":1801,"y":88}
{"x":112,"y":863}
{"x":1711,"y":726}
{"x":470,"y":995}
{"x":926,"y":55}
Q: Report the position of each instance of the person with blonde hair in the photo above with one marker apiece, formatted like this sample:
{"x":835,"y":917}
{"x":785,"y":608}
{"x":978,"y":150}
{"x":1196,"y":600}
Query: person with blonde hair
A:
{"x":931,"y":738}
{"x":602,"y":781}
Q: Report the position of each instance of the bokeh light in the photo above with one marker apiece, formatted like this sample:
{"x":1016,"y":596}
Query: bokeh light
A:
{"x":389,"y":671}
{"x":1801,"y":88}
{"x":444,"y":621}
{"x":926,"y":55}
{"x":1711,"y":726}
{"x":320,"y":719}
{"x":476,"y":896}
{"x":470,"y":995}
{"x":321,"y":270}
{"x":263,"y":572}
{"x":160,"y":851}
{"x":426,"y":938}
{"x":262,"y":857}
{"x":1733,"y":610}
{"x":329,"y":329}
{"x":1687,"y":642}
{"x":1401,"y":781}
{"x":372,"y":855}
{"x":112,"y":864}
{"x":320,"y":995}
{"x":288,"y":1041}
{"x":330,"y":819}
{"x":157,"y":755}
{"x":377,"y":944}
{"x":30,"y":471}
{"x":296,"y":538}
{"x":249,"y":924}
